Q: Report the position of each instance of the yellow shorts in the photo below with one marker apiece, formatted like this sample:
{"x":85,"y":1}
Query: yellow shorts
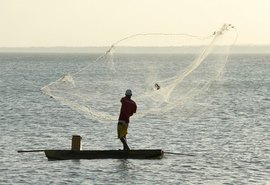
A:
{"x":122,"y":129}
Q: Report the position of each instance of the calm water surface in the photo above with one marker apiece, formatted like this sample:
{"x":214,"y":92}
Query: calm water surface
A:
{"x":227,"y":129}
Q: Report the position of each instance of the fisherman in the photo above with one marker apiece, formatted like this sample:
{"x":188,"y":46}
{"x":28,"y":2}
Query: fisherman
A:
{"x":127,"y":109}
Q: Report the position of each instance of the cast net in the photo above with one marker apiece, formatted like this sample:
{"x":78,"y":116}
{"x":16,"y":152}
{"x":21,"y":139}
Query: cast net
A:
{"x":162,"y":78}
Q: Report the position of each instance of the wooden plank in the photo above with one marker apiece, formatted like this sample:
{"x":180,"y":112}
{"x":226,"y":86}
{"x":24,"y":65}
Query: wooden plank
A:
{"x":25,"y":151}
{"x":103,"y":154}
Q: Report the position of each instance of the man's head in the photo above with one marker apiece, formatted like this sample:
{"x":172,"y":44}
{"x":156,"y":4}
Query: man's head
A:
{"x":128,"y":93}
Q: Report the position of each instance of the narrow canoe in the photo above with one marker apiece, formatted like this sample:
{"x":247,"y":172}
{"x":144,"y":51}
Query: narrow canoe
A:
{"x":103,"y":154}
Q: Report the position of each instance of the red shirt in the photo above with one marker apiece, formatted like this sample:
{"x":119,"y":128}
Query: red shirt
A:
{"x":127,"y":109}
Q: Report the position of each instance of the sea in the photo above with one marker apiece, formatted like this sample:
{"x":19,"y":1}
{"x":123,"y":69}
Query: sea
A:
{"x":224,"y":140}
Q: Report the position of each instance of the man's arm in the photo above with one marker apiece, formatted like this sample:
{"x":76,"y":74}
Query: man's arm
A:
{"x":135,"y":108}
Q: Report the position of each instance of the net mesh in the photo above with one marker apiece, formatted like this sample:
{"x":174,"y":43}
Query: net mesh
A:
{"x":160,"y":81}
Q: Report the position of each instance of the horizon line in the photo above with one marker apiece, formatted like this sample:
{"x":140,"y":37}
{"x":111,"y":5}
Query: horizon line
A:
{"x":136,"y":49}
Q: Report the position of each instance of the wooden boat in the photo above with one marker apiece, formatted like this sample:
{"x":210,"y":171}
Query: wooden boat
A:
{"x":103,"y":154}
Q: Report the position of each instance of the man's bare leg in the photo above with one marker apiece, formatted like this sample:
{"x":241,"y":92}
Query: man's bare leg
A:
{"x":124,"y":141}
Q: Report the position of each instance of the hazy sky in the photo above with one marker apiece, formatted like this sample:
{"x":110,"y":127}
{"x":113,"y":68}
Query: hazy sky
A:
{"x":102,"y":22}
